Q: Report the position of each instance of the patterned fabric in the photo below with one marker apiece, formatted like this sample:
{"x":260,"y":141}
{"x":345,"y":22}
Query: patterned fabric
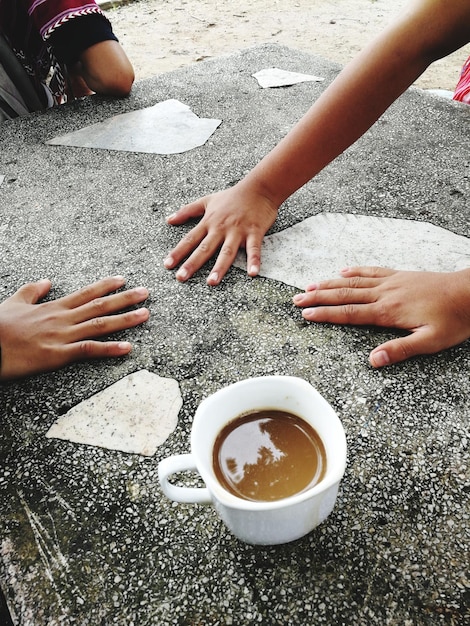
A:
{"x":462,"y":91}
{"x":47,"y":16}
{"x":27,"y":26}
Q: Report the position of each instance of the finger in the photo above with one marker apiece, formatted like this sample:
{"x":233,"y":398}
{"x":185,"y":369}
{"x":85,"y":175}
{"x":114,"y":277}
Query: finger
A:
{"x":353,"y":282}
{"x":107,"y":305}
{"x":253,"y":254}
{"x":84,"y":350}
{"x":402,"y":348}
{"x":367,"y":271}
{"x":225,"y":258}
{"x":91,"y":292}
{"x":31,"y":293}
{"x":356,"y":314}
{"x":184,"y":248}
{"x":203,"y":252}
{"x":335,"y":297}
{"x":188,"y":211}
{"x":100,"y":326}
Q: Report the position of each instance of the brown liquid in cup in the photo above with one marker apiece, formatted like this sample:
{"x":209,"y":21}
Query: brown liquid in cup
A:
{"x":268,"y":455}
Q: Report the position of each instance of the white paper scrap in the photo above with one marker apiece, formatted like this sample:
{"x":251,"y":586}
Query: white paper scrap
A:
{"x":169,"y":127}
{"x":136,"y":415}
{"x":317,"y":248}
{"x":275,"y":77}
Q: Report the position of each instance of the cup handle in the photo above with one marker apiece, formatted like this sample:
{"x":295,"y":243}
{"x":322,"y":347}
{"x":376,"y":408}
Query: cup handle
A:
{"x":181,"y":463}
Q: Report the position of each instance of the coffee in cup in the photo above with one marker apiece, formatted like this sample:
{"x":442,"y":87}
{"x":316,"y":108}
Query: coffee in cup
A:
{"x":268,"y":455}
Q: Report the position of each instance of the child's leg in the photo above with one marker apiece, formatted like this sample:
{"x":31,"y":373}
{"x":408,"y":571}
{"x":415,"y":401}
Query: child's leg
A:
{"x":105,"y":69}
{"x":94,"y":59}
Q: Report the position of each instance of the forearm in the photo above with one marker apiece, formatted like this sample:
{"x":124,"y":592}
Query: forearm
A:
{"x":361,"y":93}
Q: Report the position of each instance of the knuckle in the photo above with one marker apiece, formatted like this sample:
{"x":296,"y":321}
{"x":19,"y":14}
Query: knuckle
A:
{"x":344,"y":293}
{"x":130,"y":297}
{"x":375,"y":271}
{"x":128,"y":318}
{"x":87,"y":292}
{"x":98,"y":324}
{"x":189,"y":239}
{"x":348,"y":311}
{"x":127,"y":298}
{"x":98,"y":305}
{"x":255,"y":251}
{"x":86,"y":349}
{"x":405,"y":351}
{"x":227,"y":251}
{"x":355,"y":282}
{"x":204,"y":247}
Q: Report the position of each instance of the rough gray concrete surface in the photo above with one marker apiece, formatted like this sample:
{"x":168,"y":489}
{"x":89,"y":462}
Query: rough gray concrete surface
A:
{"x":86,"y":536}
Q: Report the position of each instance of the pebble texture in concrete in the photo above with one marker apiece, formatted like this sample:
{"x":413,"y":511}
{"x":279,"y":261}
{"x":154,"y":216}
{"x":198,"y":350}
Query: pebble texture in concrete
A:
{"x":86,"y":536}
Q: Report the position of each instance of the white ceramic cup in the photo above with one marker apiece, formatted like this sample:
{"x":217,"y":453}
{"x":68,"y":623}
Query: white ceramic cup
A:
{"x":266,"y":523}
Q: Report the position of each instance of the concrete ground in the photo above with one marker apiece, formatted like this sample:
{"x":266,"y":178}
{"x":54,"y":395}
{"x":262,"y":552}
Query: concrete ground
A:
{"x":87,"y":537}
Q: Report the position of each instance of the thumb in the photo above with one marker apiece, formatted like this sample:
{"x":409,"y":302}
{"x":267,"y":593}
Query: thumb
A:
{"x":398,"y":350}
{"x":31,"y":293}
{"x":186,"y":212}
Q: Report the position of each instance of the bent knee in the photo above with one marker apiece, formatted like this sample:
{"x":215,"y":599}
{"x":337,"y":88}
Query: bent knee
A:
{"x":115,"y":81}
{"x":118,"y":84}
{"x":107,"y":70}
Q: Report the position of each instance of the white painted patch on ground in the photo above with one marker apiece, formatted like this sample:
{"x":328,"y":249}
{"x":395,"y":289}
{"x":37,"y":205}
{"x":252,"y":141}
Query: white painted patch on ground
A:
{"x":275,"y":77}
{"x":320,"y":246}
{"x":136,"y":415}
{"x":169,"y":127}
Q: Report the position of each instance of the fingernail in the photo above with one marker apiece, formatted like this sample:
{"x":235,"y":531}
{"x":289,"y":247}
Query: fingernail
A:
{"x":170,"y":217}
{"x":124,"y":346}
{"x":182,"y":273}
{"x":213,"y":278}
{"x":298,"y":298}
{"x":141,"y":291}
{"x":380,"y":358}
{"x":311,"y":287}
{"x":309,"y":313}
{"x":143,"y":312}
{"x":118,"y":277}
{"x":168,"y":262}
{"x":254,"y":269}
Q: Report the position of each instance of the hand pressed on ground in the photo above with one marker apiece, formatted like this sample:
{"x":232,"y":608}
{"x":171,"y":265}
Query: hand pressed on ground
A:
{"x":434,"y":307}
{"x":232,"y":219}
{"x":37,"y":337}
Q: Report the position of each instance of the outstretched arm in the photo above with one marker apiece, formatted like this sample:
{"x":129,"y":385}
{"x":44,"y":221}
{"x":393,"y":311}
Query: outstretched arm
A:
{"x":240,"y":216}
{"x":434,"y":307}
{"x":41,"y":337}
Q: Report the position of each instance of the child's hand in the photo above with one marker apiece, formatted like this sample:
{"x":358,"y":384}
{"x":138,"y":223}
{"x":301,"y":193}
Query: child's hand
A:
{"x":41,"y":337}
{"x":232,"y":219}
{"x":434,"y":307}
